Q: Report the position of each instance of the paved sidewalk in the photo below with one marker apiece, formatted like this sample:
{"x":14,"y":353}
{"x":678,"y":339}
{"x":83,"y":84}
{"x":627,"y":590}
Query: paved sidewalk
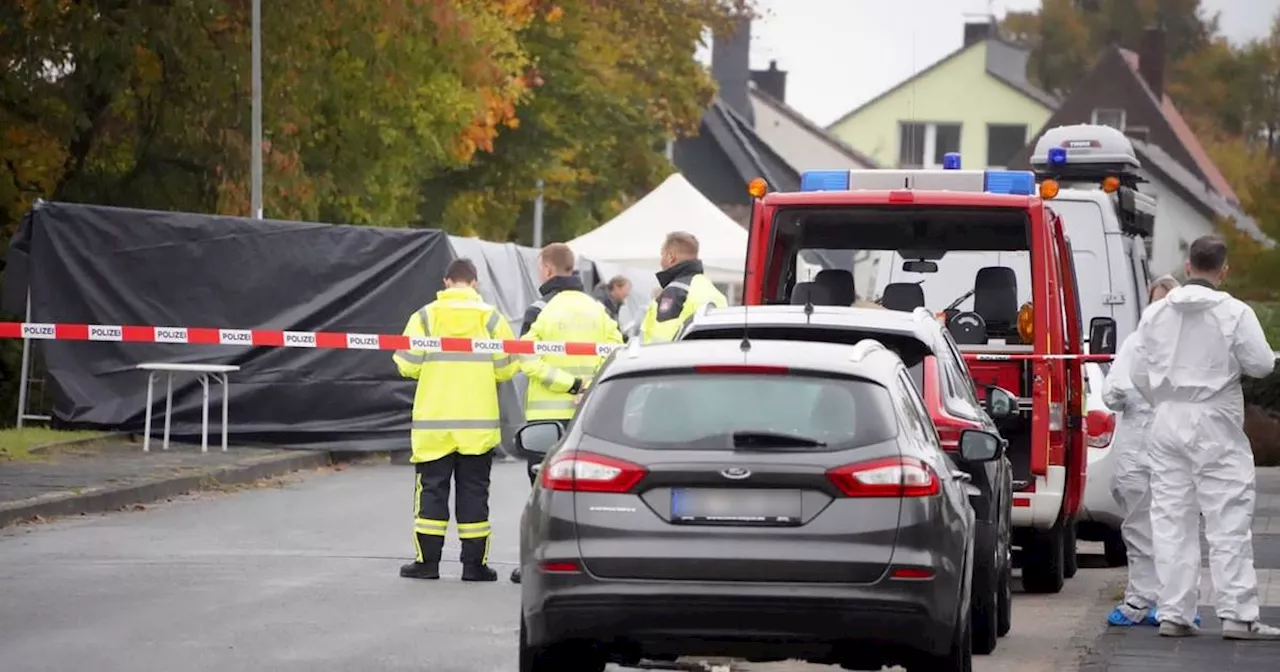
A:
{"x":1142,"y":649}
{"x":112,"y":474}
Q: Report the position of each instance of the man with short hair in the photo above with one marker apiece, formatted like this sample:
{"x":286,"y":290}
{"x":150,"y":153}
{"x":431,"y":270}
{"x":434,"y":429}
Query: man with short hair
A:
{"x":685,"y":289}
{"x":613,"y":294}
{"x":1192,"y":348}
{"x":456,"y":422}
{"x":564,"y":313}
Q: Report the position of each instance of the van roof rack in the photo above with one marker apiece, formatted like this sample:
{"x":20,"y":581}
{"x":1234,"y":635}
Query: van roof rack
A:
{"x":1086,"y":153}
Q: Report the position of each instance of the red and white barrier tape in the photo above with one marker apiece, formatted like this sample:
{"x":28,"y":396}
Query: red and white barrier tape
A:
{"x":260,"y":338}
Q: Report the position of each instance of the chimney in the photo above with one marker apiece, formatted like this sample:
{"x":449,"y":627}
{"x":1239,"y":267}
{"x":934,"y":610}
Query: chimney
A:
{"x":975,"y":32}
{"x":731,"y":67}
{"x":1151,"y":60}
{"x":772,"y":81}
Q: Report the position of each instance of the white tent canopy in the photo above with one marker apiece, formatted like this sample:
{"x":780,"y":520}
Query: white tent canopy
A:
{"x":634,"y":238}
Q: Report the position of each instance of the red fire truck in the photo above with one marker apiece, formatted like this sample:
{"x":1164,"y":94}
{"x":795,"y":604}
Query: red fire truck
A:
{"x":990,"y":226}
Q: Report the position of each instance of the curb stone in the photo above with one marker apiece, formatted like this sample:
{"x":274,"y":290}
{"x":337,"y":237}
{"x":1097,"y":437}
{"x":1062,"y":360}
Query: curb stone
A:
{"x":103,"y":499}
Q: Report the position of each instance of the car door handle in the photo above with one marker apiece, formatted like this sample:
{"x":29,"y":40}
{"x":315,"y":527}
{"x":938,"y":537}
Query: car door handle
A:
{"x":962,"y":476}
{"x":537,"y":469}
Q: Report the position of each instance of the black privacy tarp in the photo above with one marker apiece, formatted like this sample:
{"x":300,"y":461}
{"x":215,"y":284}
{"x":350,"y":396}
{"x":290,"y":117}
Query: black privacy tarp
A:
{"x":99,"y":265}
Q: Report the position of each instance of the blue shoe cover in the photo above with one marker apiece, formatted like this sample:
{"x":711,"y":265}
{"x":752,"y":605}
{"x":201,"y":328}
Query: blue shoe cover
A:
{"x":1119,"y":619}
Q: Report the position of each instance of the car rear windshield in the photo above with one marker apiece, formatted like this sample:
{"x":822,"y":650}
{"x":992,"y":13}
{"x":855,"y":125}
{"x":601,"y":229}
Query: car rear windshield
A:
{"x":703,"y":411}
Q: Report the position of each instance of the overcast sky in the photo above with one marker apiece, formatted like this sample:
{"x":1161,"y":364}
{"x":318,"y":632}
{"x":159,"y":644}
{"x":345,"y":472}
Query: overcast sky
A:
{"x":841,"y":53}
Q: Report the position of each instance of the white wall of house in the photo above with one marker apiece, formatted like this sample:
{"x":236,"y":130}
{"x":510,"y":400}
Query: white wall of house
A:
{"x":1177,"y":224}
{"x":798,"y":146}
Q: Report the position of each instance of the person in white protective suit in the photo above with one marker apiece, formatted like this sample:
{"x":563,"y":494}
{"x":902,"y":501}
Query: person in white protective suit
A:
{"x":1131,"y":481}
{"x":1193,"y":346}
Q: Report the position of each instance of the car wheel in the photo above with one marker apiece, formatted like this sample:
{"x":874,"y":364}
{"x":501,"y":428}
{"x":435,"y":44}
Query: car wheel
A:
{"x":1070,"y":559}
{"x":985,"y":605}
{"x":1042,"y":562}
{"x":556,"y":658}
{"x":1116,"y":552}
{"x":1004,"y":607}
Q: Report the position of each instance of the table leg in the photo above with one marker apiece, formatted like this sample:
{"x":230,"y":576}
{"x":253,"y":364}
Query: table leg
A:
{"x":226,"y":394}
{"x":146,"y":433}
{"x":204,"y":415}
{"x":168,"y":406}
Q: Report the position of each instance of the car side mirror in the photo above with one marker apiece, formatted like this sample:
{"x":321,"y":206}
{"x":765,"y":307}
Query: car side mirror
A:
{"x":1102,"y":336}
{"x":1001,"y":403}
{"x":536,"y":439}
{"x":979,"y":446}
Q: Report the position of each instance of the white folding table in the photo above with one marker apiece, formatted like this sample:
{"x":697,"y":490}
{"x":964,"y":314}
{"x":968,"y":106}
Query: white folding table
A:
{"x":204,"y":372}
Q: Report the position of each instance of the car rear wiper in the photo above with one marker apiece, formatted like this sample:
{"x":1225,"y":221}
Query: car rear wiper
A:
{"x":773,"y":440}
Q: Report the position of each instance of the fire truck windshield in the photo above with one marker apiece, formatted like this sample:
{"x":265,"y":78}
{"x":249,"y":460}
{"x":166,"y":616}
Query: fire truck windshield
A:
{"x":940,"y":251}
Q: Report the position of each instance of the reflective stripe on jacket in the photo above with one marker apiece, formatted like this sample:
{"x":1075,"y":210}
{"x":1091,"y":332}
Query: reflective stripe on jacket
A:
{"x":455,"y":408}
{"x":570,"y":315}
{"x":684,"y":290}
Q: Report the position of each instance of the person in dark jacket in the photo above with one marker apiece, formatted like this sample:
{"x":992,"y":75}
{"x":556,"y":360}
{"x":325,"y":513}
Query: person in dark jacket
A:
{"x":613,"y":294}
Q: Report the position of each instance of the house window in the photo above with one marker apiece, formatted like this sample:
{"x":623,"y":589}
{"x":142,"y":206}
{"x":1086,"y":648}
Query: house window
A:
{"x":1105,"y":116}
{"x":922,"y":145}
{"x":1004,"y":141}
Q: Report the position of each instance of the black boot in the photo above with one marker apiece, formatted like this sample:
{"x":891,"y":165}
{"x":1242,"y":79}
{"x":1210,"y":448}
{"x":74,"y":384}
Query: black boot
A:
{"x":478,"y":573}
{"x":420,"y":570}
{"x":515,"y":575}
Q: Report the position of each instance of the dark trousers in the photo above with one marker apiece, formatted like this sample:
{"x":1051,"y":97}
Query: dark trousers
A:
{"x":471,"y":473}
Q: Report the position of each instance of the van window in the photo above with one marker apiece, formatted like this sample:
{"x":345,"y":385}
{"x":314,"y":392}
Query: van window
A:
{"x":1086,"y":229}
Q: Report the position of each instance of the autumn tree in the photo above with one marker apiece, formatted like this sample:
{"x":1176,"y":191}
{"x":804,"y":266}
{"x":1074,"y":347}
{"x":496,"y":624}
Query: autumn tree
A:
{"x":613,"y":81}
{"x":1068,"y":36}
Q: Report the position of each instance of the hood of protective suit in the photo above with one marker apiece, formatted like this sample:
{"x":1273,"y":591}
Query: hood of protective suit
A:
{"x":1195,"y":298}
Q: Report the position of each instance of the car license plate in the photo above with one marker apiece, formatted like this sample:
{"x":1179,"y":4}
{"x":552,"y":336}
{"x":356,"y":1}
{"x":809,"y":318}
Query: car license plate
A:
{"x":736,"y":506}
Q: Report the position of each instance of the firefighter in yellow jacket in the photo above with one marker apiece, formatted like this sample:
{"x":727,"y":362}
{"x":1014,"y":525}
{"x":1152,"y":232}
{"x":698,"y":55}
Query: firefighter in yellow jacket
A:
{"x":455,"y":423}
{"x":685,"y":289}
{"x":565,"y":312}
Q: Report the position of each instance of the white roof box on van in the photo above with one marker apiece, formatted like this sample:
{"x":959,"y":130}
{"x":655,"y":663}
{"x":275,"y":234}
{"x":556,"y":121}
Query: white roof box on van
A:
{"x":1084,"y":148}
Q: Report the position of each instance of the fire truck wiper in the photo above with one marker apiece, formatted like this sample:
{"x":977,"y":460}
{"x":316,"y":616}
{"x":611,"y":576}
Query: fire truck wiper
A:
{"x":959,"y":300}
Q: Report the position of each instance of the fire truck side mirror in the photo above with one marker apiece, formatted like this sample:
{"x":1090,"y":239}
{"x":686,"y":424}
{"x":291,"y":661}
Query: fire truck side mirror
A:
{"x":1102,"y":336}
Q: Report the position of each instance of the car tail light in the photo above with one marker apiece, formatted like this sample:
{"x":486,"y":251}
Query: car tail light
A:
{"x":1100,"y":426}
{"x":560,"y":567}
{"x":949,"y":437}
{"x":740,"y":368}
{"x":888,"y":477}
{"x":587,"y":472}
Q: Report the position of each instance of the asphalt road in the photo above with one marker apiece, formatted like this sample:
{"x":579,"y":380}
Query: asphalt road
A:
{"x":303,"y":577}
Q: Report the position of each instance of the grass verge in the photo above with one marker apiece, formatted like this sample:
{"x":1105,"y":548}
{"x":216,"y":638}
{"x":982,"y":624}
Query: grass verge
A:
{"x":17,"y":444}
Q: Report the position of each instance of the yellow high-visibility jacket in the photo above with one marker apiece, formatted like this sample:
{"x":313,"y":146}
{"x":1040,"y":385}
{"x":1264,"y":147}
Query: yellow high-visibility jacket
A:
{"x":684,"y":290}
{"x":455,"y":408}
{"x":574,"y":316}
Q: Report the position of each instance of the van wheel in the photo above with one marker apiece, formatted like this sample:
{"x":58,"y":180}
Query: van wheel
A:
{"x":1070,"y":559}
{"x":1116,"y":552}
{"x":556,"y":658}
{"x":1042,"y":562}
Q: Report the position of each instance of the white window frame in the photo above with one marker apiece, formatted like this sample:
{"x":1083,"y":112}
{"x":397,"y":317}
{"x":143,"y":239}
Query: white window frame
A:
{"x":1096,"y":110}
{"x":930,"y":140}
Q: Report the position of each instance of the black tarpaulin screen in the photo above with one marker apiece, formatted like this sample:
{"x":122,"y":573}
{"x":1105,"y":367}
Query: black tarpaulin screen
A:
{"x":100,"y":265}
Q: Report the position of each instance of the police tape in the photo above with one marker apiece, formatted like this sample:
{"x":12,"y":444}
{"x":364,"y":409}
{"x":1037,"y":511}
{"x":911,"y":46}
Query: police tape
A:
{"x":263,"y":338}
